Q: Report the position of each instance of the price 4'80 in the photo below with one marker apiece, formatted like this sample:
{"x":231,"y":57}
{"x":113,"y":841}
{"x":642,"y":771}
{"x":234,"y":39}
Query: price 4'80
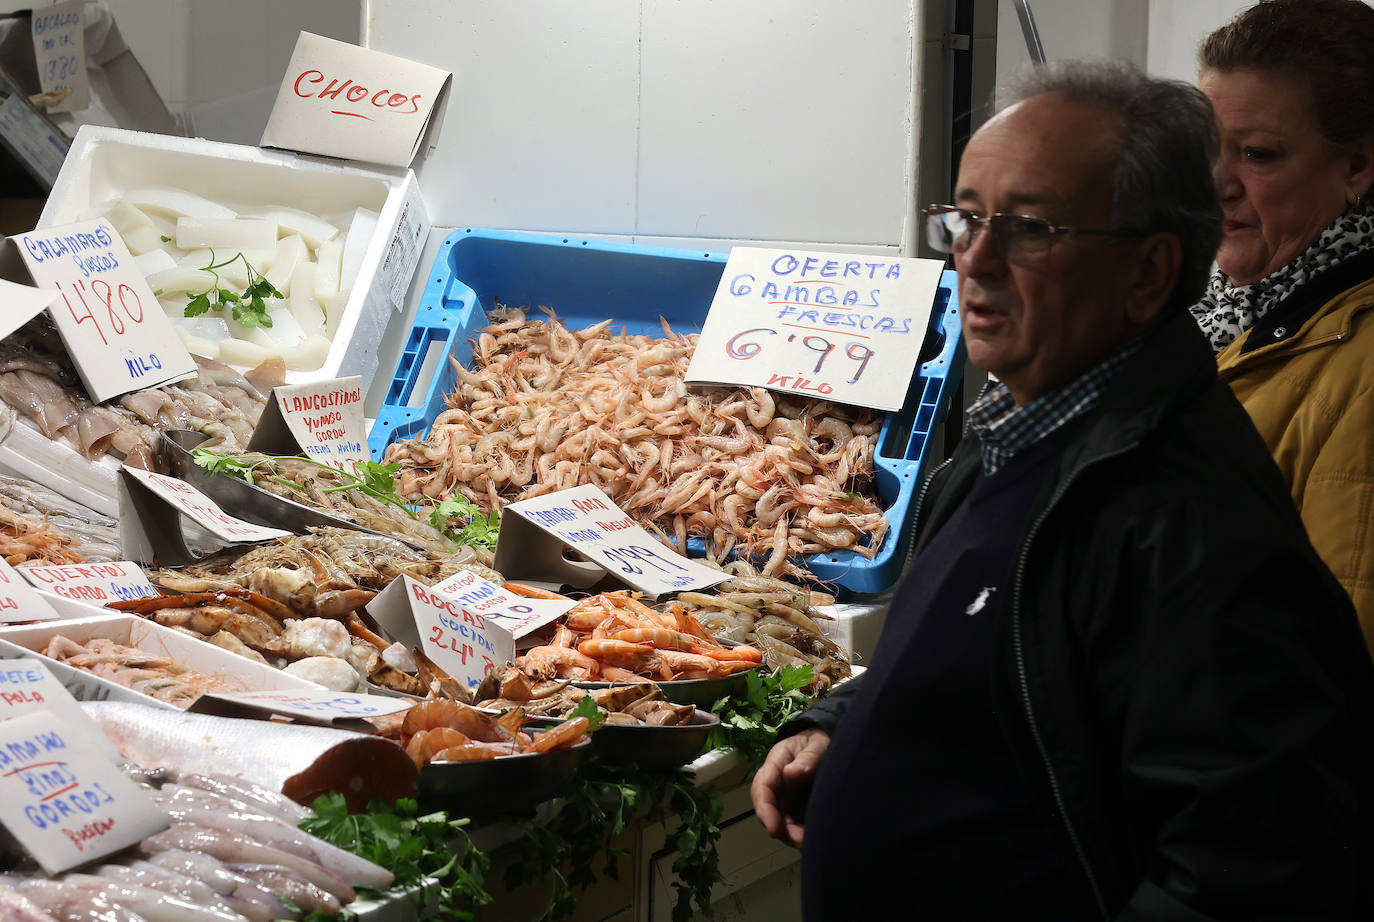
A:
{"x":740,"y":347}
{"x":105,"y":296}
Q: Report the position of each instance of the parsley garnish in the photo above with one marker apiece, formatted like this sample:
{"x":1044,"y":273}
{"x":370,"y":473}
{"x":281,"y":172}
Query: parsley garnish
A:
{"x":587,"y":708}
{"x":479,"y":529}
{"x":377,"y":480}
{"x":751,"y":723}
{"x":247,"y":308}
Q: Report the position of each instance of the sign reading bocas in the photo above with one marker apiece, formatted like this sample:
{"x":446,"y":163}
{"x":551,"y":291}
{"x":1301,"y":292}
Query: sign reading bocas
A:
{"x":65,"y":802}
{"x":344,"y":101}
{"x":460,"y":642}
{"x":324,"y":706}
{"x":322,"y":420}
{"x":585,"y":519}
{"x":97,"y":583}
{"x":828,"y":325}
{"x":26,"y":685}
{"x":514,"y":614}
{"x":18,"y":601}
{"x":112,"y":325}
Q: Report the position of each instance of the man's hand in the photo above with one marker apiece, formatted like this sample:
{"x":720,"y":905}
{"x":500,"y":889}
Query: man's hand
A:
{"x":783,"y":783}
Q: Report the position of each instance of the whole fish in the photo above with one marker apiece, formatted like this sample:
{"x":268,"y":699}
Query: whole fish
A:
{"x":301,"y":762}
{"x":152,"y":905}
{"x":247,"y":896}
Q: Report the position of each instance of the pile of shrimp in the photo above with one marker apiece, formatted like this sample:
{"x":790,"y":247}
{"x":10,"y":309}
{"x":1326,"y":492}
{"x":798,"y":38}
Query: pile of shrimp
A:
{"x":157,"y":676}
{"x":23,"y":540}
{"x":640,"y":704}
{"x":614,"y":637}
{"x":440,"y":730}
{"x":545,"y":408}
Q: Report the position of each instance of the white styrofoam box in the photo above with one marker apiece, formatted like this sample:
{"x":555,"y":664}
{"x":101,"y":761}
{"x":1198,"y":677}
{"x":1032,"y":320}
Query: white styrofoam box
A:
{"x":105,"y":163}
{"x":82,"y":622}
{"x":856,"y":626}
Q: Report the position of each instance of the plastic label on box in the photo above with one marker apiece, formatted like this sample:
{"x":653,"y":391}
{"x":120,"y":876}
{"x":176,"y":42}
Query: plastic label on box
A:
{"x":63,"y":800}
{"x":461,"y":643}
{"x":26,"y":686}
{"x":111,"y":323}
{"x":322,"y":420}
{"x":585,"y":519}
{"x":19,"y":601}
{"x":96,"y":583}
{"x":827,"y":325}
{"x":22,"y":304}
{"x":515,"y":614}
{"x":59,"y":50}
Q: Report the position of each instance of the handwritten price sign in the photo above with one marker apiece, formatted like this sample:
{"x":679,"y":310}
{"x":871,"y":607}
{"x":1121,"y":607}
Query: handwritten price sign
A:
{"x":26,"y":686}
{"x":97,"y":583}
{"x":190,"y":502}
{"x":461,"y":642}
{"x":586,"y":519}
{"x":828,"y":325}
{"x":324,"y":420}
{"x":18,"y":602}
{"x":317,"y":706}
{"x":516,"y":615}
{"x":110,"y":322}
{"x":59,"y":50}
{"x":65,"y":802}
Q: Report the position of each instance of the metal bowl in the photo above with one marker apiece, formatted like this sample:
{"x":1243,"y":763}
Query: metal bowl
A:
{"x":701,"y":692}
{"x":659,"y":749}
{"x":508,"y":784}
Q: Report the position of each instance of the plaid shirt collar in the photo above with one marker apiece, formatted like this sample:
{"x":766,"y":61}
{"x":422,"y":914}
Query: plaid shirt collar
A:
{"x":1005,"y":430}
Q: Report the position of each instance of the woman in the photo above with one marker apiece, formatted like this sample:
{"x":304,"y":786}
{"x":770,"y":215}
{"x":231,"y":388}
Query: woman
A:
{"x":1289,"y":307}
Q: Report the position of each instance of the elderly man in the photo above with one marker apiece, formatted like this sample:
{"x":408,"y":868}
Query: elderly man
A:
{"x":1116,"y":681}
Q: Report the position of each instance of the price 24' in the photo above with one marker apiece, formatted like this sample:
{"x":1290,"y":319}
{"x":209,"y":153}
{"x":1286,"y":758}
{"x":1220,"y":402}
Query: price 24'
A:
{"x":738,"y":347}
{"x":104,"y":294}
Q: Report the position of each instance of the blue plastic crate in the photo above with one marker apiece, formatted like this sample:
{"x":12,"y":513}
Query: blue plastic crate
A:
{"x":586,"y":281}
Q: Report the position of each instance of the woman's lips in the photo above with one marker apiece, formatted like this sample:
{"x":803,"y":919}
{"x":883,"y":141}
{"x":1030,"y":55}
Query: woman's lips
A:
{"x":1231,"y":225}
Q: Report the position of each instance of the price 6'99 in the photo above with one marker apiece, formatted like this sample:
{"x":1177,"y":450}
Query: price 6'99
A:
{"x":622,"y":557}
{"x":744,"y":346}
{"x":105,"y":296}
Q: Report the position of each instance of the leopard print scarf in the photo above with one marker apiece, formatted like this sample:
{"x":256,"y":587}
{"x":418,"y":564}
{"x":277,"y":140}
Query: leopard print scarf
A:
{"x":1226,"y":311}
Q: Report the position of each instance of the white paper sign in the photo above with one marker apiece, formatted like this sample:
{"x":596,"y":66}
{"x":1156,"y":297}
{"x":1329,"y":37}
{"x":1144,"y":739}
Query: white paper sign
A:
{"x":322,"y":706}
{"x":112,"y":325}
{"x":460,"y":643}
{"x":514,"y":614}
{"x":585,"y":519}
{"x":59,"y":49}
{"x":322,"y":420}
{"x":97,"y":583}
{"x":344,"y":101}
{"x":65,"y":802}
{"x":194,"y":504}
{"x":18,"y":601}
{"x":845,"y":328}
{"x":26,"y":685}
{"x":21,"y":304}
{"x":39,"y":145}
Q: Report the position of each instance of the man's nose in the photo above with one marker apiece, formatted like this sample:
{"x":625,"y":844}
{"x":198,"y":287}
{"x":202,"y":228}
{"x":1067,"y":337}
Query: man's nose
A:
{"x":984,"y":257}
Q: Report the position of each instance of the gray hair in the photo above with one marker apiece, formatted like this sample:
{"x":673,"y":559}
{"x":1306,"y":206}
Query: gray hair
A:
{"x":1163,"y":177}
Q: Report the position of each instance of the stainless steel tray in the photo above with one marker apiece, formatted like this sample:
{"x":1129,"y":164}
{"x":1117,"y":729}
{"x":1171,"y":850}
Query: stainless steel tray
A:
{"x":509,"y":784}
{"x":651,"y":748}
{"x":701,"y":692}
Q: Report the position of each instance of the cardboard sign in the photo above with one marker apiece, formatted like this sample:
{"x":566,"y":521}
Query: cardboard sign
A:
{"x":322,"y":420}
{"x":585,"y":519}
{"x":845,"y":328}
{"x":323,"y":707}
{"x":59,"y":49}
{"x":344,"y":101}
{"x":22,"y":304}
{"x":35,"y":141}
{"x":112,"y":325}
{"x":65,"y":802}
{"x":18,"y":601}
{"x":97,"y":583}
{"x":192,"y":503}
{"x":461,"y":643}
{"x":514,"y":614}
{"x":26,"y":686}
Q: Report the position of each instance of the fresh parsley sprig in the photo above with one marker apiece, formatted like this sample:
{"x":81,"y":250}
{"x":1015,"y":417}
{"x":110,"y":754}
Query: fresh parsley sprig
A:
{"x":376,"y":480}
{"x":751,"y":723}
{"x":478,"y":529}
{"x":248,"y":308}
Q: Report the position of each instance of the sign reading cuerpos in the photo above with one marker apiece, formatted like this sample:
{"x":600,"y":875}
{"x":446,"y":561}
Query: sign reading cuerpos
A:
{"x":97,"y":583}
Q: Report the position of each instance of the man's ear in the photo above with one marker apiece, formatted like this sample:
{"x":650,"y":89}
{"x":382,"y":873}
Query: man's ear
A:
{"x":1159,"y":259}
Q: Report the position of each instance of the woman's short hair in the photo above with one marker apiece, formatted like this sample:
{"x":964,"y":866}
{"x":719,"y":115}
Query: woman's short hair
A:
{"x":1163,"y":177}
{"x":1329,"y":43}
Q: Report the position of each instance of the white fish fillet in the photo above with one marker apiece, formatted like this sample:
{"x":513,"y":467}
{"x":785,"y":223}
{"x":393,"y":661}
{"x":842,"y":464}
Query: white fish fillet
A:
{"x":15,"y":907}
{"x":230,"y":848}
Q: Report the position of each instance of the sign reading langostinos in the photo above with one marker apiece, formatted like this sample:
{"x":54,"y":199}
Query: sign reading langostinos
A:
{"x":112,"y":325}
{"x":843,"y":328}
{"x":344,"y":101}
{"x":322,"y":420}
{"x":18,"y":602}
{"x":460,"y":642}
{"x":65,"y":802}
{"x":585,"y":519}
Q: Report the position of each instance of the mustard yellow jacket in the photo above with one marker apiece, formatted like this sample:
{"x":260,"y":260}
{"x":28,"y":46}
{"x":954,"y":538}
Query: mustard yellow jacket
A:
{"x":1305,"y":374}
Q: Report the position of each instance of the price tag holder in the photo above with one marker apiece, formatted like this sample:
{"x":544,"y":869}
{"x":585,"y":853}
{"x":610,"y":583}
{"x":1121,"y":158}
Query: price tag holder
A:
{"x":323,"y":421}
{"x":338,"y":709}
{"x":150,"y":510}
{"x":827,"y":325}
{"x":65,"y":802}
{"x":461,"y":643}
{"x":18,"y":601}
{"x":514,"y":614}
{"x":97,"y":583}
{"x":26,"y":686}
{"x":111,"y":323}
{"x":585,"y":519}
{"x":59,"y":50}
{"x":22,"y":304}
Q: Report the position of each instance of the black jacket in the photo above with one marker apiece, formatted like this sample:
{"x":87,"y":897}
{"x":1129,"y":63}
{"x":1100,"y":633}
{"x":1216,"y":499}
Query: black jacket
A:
{"x":1194,"y":691}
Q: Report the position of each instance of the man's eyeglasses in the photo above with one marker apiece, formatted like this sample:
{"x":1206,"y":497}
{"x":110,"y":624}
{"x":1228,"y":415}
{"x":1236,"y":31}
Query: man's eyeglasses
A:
{"x":1017,"y":237}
